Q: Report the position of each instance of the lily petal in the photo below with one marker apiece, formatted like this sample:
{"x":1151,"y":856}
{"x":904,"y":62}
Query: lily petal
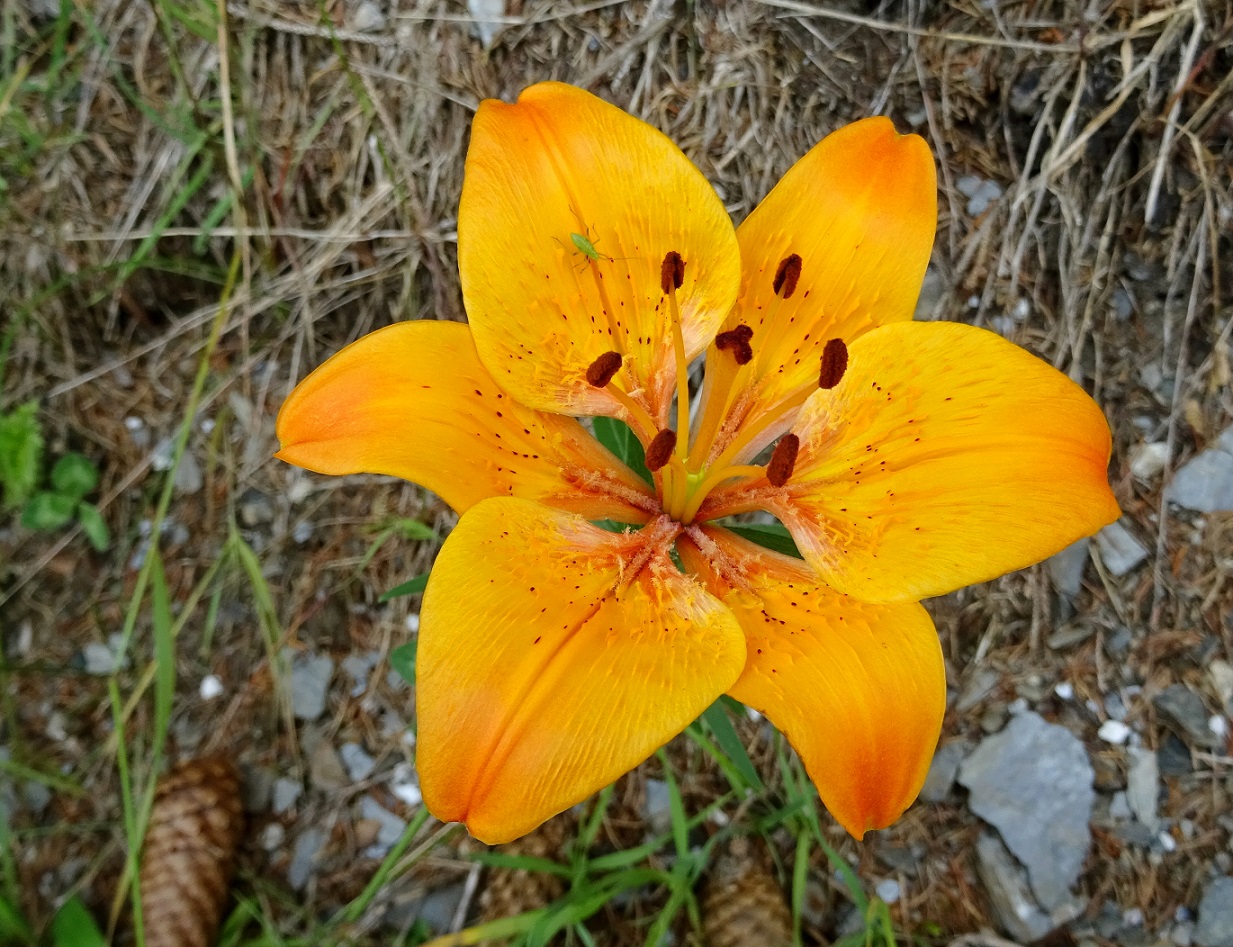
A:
{"x":859,"y":690}
{"x":560,"y":164}
{"x":860,"y":209}
{"x":946,"y":456}
{"x":413,"y":401}
{"x":553,"y":657}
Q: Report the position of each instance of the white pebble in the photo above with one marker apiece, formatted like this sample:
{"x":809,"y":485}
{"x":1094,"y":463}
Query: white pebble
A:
{"x":1065,"y":690}
{"x":888,"y":890}
{"x":1114,"y":731}
{"x":134,"y":423}
{"x":1167,"y":842}
{"x":413,"y":622}
{"x":405,"y":786}
{"x":1218,"y":725}
{"x":211,"y":687}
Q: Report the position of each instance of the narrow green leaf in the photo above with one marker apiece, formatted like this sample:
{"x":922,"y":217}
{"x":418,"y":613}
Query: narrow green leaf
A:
{"x":74,"y":926}
{"x":21,"y":453}
{"x":74,"y":475}
{"x":410,"y":587}
{"x":93,"y":525}
{"x":619,"y":438}
{"x":773,"y":536}
{"x":414,"y":529}
{"x":720,"y":724}
{"x":47,"y":511}
{"x":13,"y":927}
{"x":402,"y":660}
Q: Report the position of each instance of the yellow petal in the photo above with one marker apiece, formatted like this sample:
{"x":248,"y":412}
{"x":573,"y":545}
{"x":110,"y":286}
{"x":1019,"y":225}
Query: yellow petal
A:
{"x":553,"y":657}
{"x":413,"y":401}
{"x":860,"y":209}
{"x":945,"y":456}
{"x":558,"y":163}
{"x":859,"y":690}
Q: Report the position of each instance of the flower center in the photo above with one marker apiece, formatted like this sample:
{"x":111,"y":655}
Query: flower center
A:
{"x":688,"y":468}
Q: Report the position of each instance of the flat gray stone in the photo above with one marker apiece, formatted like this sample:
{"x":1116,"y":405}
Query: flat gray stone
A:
{"x":308,"y":846}
{"x":1143,"y":786}
{"x":1205,"y":482}
{"x":1033,"y":783}
{"x":285,"y":793}
{"x":390,"y":826}
{"x":310,"y":682}
{"x":943,"y":770}
{"x":359,"y":764}
{"x":1184,"y":712}
{"x":1066,"y":569}
{"x":1119,"y":550}
{"x":1216,"y":915}
{"x":1006,"y":884}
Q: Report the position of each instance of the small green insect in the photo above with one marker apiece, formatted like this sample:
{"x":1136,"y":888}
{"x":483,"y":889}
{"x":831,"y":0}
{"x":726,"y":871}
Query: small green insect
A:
{"x":584,"y":244}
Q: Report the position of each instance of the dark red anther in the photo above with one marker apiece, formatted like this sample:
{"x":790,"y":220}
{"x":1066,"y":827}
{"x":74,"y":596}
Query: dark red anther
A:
{"x":603,"y":368}
{"x":783,"y":460}
{"x":736,"y":341}
{"x":659,"y":451}
{"x":787,"y":276}
{"x":834,"y":364}
{"x":671,"y":272}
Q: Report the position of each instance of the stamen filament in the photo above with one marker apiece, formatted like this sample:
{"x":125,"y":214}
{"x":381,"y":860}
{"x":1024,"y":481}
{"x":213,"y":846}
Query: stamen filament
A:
{"x":672,"y":275}
{"x":711,"y":482}
{"x":643,"y":425}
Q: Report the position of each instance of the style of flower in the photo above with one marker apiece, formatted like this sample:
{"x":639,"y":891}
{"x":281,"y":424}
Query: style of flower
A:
{"x":909,"y":459}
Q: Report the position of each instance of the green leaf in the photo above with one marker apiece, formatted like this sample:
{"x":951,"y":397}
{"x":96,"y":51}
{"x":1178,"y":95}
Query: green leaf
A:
{"x":410,"y":587}
{"x":619,"y":438}
{"x":93,"y":525}
{"x":47,"y":511}
{"x":414,"y":529}
{"x":13,"y":927}
{"x":75,"y":927}
{"x":717,"y":721}
{"x":21,"y":453}
{"x":402,"y":660}
{"x":74,"y":475}
{"x":773,"y":536}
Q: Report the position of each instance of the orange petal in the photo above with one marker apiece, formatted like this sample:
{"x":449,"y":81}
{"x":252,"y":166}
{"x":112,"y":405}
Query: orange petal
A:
{"x":859,"y":690}
{"x":553,"y":657}
{"x":562,"y":163}
{"x":945,"y":456}
{"x":413,"y":401}
{"x":860,"y":209}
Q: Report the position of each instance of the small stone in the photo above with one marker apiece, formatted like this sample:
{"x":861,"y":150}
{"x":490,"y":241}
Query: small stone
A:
{"x":36,"y":796}
{"x":308,"y":846}
{"x":1033,"y":783}
{"x":1215,"y":927}
{"x":1007,"y":887}
{"x":1119,"y":807}
{"x":1114,"y":731}
{"x":325,"y":769}
{"x":487,"y":19}
{"x":358,"y":667}
{"x":405,"y":786}
{"x":369,"y":18}
{"x":302,"y":532}
{"x":273,"y":836}
{"x":211,"y":687}
{"x":256,"y":788}
{"x":1182,"y":934}
{"x":391,"y":826}
{"x":979,"y":192}
{"x":1069,"y":636}
{"x":888,"y":890}
{"x":1119,"y":550}
{"x":978,"y":686}
{"x":1066,"y":569}
{"x":1173,"y":757}
{"x":310,"y":680}
{"x":255,"y":508}
{"x":1184,"y":712}
{"x":1149,"y":459}
{"x":1205,"y":482}
{"x":1221,"y":674}
{"x":658,"y":811}
{"x":943,"y":770}
{"x":188,"y":475}
{"x":1143,"y":786}
{"x":1123,"y":304}
{"x":285,"y":794}
{"x":100,"y":660}
{"x":359,"y":764}
{"x":1065,"y":690}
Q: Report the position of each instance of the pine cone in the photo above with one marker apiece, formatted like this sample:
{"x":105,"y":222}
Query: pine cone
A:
{"x":742,"y":904}
{"x":512,"y":891}
{"x":189,"y":856}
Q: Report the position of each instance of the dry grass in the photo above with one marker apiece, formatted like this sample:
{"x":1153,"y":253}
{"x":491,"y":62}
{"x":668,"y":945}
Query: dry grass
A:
{"x":329,"y":162}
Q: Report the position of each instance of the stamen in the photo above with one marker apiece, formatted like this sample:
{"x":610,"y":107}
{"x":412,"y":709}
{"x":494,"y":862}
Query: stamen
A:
{"x":659,"y":451}
{"x":671,"y":272}
{"x":783,"y":460}
{"x":787,"y":276}
{"x":603,"y":369}
{"x":736,"y":341}
{"x":834,"y":364}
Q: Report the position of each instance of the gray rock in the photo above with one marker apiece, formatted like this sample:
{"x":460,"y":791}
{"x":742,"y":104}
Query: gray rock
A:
{"x":1216,"y":915}
{"x":943,"y":770}
{"x":1119,"y":807}
{"x":1205,"y":482}
{"x":99,"y":659}
{"x":1143,"y":786}
{"x":1148,"y":460}
{"x":1033,"y":782}
{"x":308,"y":846}
{"x":255,"y":508}
{"x":979,"y":192}
{"x":888,"y":890}
{"x":1007,"y":887}
{"x":310,"y":680}
{"x":1173,"y":757}
{"x":285,"y":793}
{"x":369,"y":18}
{"x":359,"y":764}
{"x":1119,"y":550}
{"x":977,"y":687}
{"x":256,"y":788}
{"x":1066,"y":569}
{"x":390,"y":826}
{"x":325,"y":769}
{"x":188,"y":475}
{"x":658,"y":810}
{"x":1184,"y":712}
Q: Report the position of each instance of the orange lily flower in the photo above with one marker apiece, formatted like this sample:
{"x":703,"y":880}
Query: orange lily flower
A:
{"x":910,"y":459}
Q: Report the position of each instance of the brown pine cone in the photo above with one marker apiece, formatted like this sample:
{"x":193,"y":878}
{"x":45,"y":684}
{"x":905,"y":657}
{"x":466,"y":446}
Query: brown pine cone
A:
{"x":512,"y":891}
{"x":742,"y":904}
{"x":189,"y":854}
